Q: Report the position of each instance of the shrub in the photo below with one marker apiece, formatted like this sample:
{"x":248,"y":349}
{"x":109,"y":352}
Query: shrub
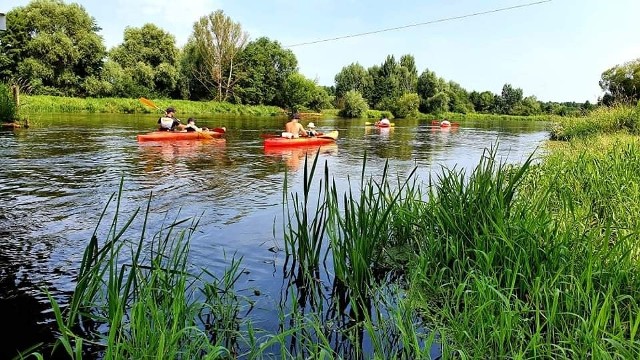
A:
{"x":8,"y":109}
{"x":407,"y":105}
{"x":354,"y":105}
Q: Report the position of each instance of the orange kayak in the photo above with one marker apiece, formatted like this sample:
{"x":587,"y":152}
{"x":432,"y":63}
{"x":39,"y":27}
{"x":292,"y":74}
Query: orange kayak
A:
{"x":177,"y":135}
{"x":321,"y":139}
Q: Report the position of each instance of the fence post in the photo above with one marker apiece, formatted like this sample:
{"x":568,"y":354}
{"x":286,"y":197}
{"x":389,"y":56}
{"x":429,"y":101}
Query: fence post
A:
{"x":15,"y":89}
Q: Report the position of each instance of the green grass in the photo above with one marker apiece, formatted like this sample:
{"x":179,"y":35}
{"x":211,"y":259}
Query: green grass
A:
{"x":8,"y":109}
{"x":55,"y":104}
{"x":624,"y":119}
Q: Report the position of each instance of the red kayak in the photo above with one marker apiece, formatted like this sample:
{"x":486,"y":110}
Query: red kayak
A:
{"x":179,"y":135}
{"x":321,"y":139}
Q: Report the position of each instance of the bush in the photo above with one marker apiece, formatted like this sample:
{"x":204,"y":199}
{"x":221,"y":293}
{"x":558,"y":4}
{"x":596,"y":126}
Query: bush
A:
{"x":8,"y":109}
{"x":354,"y":105}
{"x":407,"y":105}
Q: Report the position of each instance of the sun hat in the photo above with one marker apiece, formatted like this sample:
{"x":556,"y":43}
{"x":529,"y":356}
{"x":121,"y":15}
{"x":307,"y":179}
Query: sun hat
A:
{"x":311,"y":125}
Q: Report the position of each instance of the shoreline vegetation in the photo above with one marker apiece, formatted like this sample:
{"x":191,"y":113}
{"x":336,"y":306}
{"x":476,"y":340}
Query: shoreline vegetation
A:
{"x":35,"y":104}
{"x":536,"y":260}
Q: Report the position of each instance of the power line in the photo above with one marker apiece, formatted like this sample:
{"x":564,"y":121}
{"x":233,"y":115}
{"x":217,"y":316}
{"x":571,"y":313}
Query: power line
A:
{"x":423,"y":23}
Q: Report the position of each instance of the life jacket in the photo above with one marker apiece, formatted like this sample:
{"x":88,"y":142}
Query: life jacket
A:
{"x":167,"y":123}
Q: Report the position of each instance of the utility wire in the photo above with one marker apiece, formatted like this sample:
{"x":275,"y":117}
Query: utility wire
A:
{"x":423,"y":23}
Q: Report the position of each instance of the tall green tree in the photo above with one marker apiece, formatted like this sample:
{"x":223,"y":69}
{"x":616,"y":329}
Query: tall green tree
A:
{"x":264,"y":67}
{"x":387,"y":84}
{"x":509,"y":99}
{"x":407,"y":74}
{"x":149,"y":57}
{"x":298,"y":92}
{"x":434,"y":93}
{"x":219,"y":42}
{"x":353,"y":77}
{"x":483,"y":102}
{"x":459,"y":99}
{"x":621,"y":83}
{"x":52,"y":44}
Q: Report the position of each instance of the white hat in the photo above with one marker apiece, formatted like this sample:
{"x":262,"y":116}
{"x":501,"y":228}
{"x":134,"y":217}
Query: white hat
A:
{"x":311,"y":125}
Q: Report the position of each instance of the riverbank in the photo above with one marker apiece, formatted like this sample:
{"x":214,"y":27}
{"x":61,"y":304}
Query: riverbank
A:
{"x":54,"y":104}
{"x":32,"y":104}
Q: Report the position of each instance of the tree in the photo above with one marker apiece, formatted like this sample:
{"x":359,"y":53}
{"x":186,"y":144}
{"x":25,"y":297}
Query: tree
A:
{"x":263,"y":71}
{"x":353,"y":77}
{"x":149,"y":56}
{"x":320,"y":99}
{"x":298,"y":92}
{"x":622,"y":82}
{"x":354,"y":105}
{"x":407,"y":105}
{"x":483,"y":102}
{"x":459,"y":99}
{"x":408,"y":74}
{"x":433,"y":92}
{"x":219,"y":42}
{"x":54,"y":45}
{"x":510,"y":98}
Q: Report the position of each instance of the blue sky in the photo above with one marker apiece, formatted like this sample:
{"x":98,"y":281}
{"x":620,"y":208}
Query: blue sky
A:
{"x":556,"y":50}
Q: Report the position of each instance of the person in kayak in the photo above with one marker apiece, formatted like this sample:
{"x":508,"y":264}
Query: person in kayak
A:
{"x":191,"y":125}
{"x":384,"y":122}
{"x":311,"y":129}
{"x":169,"y":122}
{"x":293,"y":129}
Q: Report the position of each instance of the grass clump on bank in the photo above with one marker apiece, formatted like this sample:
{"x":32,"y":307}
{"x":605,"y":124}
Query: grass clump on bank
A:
{"x":55,"y":104}
{"x":602,"y":120}
{"x":8,"y":108}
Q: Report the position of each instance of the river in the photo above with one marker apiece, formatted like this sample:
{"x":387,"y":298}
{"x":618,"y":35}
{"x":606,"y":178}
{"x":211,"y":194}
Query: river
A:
{"x":56,"y":177}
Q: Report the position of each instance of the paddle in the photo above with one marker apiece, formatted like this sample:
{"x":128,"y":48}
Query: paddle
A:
{"x":149,"y":103}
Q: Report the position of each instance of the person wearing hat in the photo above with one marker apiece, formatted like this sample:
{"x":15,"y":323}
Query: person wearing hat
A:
{"x":169,"y":122}
{"x":293,"y":129}
{"x":311,"y":129}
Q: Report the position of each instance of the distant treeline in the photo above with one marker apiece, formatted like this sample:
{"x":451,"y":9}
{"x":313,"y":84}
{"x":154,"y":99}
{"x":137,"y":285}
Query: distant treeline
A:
{"x":53,"y":48}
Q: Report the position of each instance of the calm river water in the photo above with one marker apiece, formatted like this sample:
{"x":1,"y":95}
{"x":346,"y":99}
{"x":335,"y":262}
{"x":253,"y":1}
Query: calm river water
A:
{"x":56,"y":177}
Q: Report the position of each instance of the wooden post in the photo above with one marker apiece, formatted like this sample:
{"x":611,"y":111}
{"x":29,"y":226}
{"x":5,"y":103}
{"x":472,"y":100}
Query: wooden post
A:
{"x":16,"y":95}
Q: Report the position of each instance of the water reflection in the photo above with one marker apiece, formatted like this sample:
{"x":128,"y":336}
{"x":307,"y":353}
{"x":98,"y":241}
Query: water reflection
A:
{"x":294,"y":157}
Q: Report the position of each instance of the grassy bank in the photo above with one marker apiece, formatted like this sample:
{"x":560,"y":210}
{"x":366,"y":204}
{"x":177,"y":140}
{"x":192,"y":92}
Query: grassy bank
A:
{"x":618,"y":119}
{"x":478,"y":116}
{"x":54,"y":104}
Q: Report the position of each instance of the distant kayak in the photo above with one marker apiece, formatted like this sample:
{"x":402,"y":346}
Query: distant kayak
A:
{"x":178,"y":135}
{"x":380,"y":125}
{"x":321,"y":139}
{"x":443,"y":123}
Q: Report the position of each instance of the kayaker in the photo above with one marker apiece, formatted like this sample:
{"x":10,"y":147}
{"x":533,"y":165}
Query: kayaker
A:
{"x":293,"y":129}
{"x":311,"y":129}
{"x":384,"y":122}
{"x":191,"y":125}
{"x":169,"y":122}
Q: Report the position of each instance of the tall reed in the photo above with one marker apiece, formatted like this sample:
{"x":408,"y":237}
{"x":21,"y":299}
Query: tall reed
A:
{"x":139,"y":300}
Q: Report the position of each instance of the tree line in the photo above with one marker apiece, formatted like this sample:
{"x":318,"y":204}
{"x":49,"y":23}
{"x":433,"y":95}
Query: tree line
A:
{"x":54,"y":48}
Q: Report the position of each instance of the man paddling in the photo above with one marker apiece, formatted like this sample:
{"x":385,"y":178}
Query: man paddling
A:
{"x":293,"y":129}
{"x":169,"y":122}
